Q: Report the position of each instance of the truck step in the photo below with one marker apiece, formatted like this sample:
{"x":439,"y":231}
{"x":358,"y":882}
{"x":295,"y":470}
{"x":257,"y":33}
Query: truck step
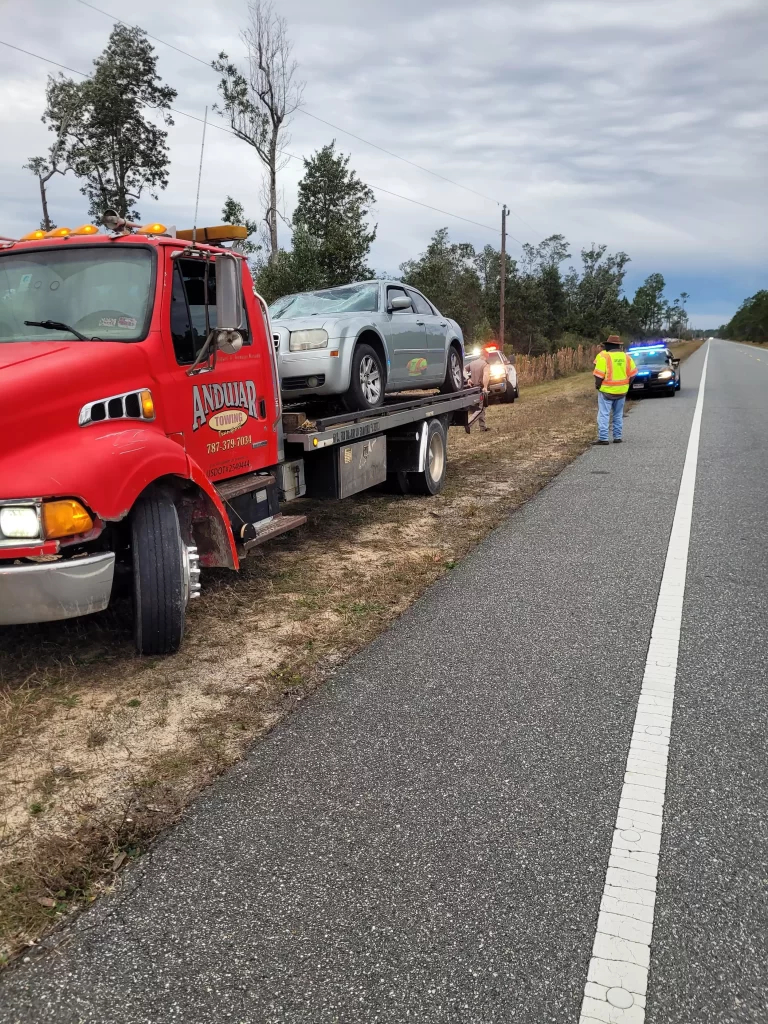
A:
{"x":270,"y":529}
{"x":238,"y":485}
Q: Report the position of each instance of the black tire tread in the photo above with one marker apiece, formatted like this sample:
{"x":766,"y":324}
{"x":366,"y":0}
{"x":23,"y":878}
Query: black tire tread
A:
{"x":158,"y":569}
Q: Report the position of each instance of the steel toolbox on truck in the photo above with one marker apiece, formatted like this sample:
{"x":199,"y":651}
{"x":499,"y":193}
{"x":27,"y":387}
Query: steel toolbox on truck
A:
{"x":154,"y":443}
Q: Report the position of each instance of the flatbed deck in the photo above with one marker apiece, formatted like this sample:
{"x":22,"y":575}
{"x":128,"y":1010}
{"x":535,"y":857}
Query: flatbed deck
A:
{"x":326,"y":431}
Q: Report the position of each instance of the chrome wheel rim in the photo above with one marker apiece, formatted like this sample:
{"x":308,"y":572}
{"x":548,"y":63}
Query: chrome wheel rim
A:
{"x":370,"y":380}
{"x":436,"y":457}
{"x":456,"y":372}
{"x":191,"y":572}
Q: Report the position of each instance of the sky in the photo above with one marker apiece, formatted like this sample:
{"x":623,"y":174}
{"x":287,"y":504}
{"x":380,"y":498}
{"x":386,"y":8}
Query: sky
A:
{"x":639,"y":125}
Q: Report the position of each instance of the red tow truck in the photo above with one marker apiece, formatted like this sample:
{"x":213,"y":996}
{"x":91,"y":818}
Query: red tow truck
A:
{"x":144,"y":436}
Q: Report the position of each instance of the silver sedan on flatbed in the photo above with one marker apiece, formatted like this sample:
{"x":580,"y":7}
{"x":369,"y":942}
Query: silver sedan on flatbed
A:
{"x":360,"y":341}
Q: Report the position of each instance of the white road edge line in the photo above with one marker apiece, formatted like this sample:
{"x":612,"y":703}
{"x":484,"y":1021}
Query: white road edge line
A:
{"x":617,"y":980}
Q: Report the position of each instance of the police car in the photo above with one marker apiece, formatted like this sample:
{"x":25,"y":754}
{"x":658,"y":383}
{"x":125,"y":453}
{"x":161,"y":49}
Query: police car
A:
{"x":503,"y":375}
{"x":657,"y":370}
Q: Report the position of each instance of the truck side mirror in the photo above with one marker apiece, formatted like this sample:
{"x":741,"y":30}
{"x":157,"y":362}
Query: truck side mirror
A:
{"x":229,"y":293}
{"x":229,"y":304}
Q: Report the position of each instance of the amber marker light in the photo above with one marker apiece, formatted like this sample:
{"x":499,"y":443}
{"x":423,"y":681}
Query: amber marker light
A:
{"x":65,"y":518}
{"x":147,"y":405}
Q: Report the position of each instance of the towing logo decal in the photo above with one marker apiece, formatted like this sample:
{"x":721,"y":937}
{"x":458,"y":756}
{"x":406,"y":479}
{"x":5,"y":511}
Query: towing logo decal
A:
{"x":237,"y":397}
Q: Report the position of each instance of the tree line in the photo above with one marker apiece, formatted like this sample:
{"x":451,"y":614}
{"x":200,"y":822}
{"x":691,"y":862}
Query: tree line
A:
{"x":750,"y":322}
{"x":101,"y":134}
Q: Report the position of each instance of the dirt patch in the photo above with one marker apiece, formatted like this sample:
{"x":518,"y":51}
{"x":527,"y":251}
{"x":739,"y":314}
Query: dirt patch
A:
{"x":100,"y":749}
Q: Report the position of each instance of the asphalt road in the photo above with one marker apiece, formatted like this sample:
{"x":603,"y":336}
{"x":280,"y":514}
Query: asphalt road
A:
{"x":427,"y":840}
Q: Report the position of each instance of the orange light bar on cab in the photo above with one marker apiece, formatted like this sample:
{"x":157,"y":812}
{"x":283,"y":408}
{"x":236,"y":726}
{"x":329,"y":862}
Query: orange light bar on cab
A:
{"x":152,"y":229}
{"x":58,"y":233}
{"x":85,"y":229}
{"x":33,"y":236}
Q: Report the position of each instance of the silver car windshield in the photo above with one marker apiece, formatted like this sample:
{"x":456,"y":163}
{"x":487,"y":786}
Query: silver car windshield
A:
{"x":353,"y":298}
{"x":101,"y":292}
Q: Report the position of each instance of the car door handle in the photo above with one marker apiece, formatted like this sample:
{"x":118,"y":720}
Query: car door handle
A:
{"x":420,"y":323}
{"x":443,"y":323}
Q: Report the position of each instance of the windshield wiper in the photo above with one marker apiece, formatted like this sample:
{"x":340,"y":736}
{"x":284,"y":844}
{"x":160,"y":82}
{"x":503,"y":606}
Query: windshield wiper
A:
{"x":57,"y":325}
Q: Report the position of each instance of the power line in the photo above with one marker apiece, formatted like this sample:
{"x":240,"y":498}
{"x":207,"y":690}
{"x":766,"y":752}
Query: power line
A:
{"x":316,"y":117}
{"x":293,"y":156}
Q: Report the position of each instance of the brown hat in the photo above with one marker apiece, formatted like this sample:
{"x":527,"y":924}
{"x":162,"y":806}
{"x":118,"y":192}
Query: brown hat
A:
{"x":613,"y":339}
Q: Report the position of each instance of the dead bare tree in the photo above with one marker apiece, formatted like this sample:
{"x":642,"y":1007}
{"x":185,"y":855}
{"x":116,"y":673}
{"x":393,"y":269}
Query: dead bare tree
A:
{"x":44,"y":168}
{"x":259,"y":103}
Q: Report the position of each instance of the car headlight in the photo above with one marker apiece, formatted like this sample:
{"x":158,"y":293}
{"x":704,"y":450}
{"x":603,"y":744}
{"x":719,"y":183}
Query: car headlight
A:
{"x":665,"y":373}
{"x":302,"y":341}
{"x":19,"y":522}
{"x":497,"y":373}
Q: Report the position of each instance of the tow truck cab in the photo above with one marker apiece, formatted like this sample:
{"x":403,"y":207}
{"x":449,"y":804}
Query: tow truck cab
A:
{"x":143,"y":425}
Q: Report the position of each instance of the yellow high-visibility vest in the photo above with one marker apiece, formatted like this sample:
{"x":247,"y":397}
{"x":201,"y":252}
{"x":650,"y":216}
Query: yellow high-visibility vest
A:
{"x":616,"y":369}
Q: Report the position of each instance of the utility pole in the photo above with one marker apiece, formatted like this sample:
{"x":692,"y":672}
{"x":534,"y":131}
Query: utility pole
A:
{"x":503,"y":273}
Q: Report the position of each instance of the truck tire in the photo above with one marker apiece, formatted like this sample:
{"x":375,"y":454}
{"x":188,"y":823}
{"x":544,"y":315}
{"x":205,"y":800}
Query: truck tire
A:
{"x":454,"y":372}
{"x":431,"y":479}
{"x":159,"y":598}
{"x":366,"y":373}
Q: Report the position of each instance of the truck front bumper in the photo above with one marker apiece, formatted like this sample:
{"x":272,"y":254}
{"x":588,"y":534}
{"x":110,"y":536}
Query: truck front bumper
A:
{"x":46,"y":591}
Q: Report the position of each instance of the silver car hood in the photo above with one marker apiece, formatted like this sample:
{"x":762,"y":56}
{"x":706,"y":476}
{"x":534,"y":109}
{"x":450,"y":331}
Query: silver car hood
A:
{"x":308,"y":323}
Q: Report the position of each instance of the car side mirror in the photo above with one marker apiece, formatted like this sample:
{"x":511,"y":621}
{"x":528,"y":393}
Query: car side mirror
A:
{"x":401,"y":302}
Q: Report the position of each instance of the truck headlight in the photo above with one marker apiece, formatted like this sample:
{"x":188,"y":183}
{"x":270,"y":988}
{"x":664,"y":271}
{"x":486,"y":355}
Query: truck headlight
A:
{"x":498,"y":373}
{"x":19,"y":522}
{"x":65,"y":519}
{"x":665,"y":374}
{"x":302,"y":341}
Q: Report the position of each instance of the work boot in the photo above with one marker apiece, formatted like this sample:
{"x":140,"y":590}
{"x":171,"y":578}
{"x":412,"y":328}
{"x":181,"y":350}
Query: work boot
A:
{"x":617,"y":440}
{"x":600,"y":442}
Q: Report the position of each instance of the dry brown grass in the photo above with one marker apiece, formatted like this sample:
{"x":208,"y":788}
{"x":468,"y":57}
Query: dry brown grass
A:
{"x":563,"y":363}
{"x":100,"y":749}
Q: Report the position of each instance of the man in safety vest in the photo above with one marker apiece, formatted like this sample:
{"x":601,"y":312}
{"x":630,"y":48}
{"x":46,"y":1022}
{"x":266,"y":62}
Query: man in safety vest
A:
{"x":613,"y":371}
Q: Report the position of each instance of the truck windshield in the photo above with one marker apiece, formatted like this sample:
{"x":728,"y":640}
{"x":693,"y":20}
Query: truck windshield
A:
{"x":103,"y":292}
{"x":351,"y":298}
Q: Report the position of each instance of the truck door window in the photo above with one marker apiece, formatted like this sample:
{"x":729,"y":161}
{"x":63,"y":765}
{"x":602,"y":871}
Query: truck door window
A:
{"x":188,"y":308}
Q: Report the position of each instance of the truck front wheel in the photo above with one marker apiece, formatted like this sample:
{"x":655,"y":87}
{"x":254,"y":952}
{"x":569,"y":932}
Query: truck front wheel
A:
{"x":165,"y":575}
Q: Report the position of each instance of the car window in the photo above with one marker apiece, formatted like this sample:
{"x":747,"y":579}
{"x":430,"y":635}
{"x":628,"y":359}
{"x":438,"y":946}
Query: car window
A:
{"x":188,"y":308}
{"x":420,"y":304}
{"x":396,"y":293}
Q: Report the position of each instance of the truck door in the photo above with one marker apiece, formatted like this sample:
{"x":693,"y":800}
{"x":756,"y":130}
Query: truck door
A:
{"x":224,"y":417}
{"x":407,"y":341}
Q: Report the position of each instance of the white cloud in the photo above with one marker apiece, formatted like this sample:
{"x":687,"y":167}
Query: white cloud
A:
{"x":636,"y":124}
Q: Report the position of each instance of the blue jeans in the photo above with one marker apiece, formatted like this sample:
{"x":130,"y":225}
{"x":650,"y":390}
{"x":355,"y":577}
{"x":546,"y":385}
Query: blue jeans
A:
{"x":604,"y":405}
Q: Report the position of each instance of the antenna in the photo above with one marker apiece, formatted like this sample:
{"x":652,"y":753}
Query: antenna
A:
{"x":199,"y":178}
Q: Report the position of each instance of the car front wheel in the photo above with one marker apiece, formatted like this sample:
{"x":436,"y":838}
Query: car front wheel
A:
{"x":366,"y":385}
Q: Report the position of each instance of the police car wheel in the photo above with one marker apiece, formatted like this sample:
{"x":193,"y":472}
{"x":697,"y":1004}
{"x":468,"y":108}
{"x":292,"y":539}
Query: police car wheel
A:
{"x":431,"y":479}
{"x":159,"y":591}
